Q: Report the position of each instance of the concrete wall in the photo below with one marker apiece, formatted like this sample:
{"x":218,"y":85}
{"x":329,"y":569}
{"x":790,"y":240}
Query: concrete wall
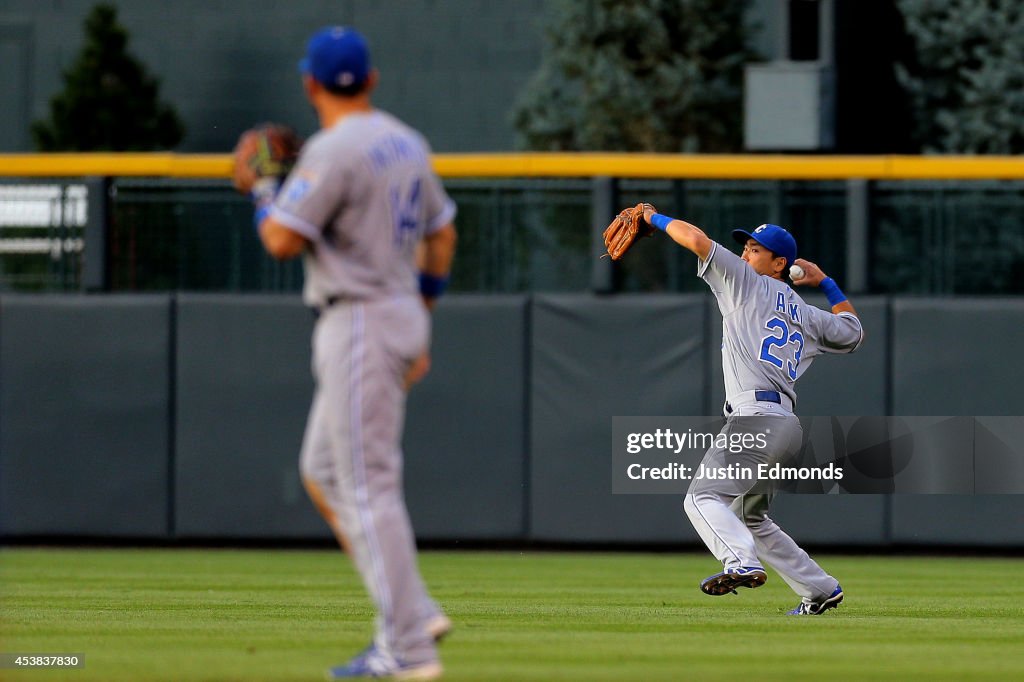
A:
{"x":181,"y":416}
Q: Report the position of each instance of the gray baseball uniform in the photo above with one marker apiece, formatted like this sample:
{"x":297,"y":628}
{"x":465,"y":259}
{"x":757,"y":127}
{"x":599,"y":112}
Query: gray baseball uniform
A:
{"x":363,"y":193}
{"x":769,"y":338}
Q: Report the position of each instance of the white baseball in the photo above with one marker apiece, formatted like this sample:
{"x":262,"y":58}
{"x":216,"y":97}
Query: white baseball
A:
{"x":796,"y":272}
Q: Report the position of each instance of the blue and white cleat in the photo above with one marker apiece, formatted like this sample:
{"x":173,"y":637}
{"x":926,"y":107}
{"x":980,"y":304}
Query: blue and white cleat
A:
{"x":728,"y":580}
{"x":375,"y":664}
{"x":816,"y":609}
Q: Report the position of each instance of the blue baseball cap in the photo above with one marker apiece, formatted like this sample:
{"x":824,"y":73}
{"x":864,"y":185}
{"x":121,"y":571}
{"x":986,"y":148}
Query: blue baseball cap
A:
{"x":774,"y":238}
{"x":338,"y":58}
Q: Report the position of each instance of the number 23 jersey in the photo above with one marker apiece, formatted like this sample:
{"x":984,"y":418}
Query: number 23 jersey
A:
{"x":769,"y":334}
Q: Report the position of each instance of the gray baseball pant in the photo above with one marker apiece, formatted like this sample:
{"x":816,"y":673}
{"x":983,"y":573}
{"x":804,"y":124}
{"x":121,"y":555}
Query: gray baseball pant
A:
{"x":734,"y":523}
{"x":352,"y":453}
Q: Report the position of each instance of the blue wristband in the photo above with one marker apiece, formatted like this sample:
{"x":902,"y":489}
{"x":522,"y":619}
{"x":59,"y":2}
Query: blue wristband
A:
{"x":432,"y":286}
{"x":262,"y":194}
{"x":832,"y":291}
{"x":260,"y":215}
{"x":661,"y":221}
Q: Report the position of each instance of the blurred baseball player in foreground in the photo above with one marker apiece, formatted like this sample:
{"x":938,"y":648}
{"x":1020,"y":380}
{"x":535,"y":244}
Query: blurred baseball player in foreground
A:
{"x":769,"y":338}
{"x":360,"y":201}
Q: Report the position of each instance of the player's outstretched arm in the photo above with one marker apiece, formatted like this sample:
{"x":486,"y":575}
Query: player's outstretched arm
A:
{"x":683,"y":233}
{"x":814,"y":277}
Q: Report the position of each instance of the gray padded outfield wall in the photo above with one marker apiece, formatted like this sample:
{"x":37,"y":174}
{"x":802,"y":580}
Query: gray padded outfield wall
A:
{"x":973,"y":520}
{"x":244,"y":387}
{"x":957,"y":356}
{"x":593,"y":359}
{"x":507,"y":438}
{"x":465,"y":434}
{"x":84,"y":407}
{"x":243,"y":392}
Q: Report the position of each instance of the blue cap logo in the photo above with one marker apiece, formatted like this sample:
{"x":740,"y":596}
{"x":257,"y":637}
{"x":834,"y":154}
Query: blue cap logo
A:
{"x":338,"y":58}
{"x":774,"y":238}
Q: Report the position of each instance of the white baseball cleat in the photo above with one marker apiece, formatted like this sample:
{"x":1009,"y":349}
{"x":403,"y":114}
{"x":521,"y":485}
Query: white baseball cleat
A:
{"x":439,"y":627}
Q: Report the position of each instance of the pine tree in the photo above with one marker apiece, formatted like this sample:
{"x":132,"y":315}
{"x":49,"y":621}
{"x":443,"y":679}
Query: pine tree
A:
{"x":967,"y":81}
{"x":109,"y":102}
{"x":638,"y":75}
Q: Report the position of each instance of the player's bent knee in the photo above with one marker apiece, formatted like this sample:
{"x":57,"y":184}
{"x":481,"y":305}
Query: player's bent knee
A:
{"x":690,"y":507}
{"x":318,"y":469}
{"x":759,"y":524}
{"x":752,"y":523}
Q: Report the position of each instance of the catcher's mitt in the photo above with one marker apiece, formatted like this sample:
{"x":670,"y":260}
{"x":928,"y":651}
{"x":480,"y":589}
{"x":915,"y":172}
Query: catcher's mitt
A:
{"x":266,"y":151}
{"x":627,"y":227}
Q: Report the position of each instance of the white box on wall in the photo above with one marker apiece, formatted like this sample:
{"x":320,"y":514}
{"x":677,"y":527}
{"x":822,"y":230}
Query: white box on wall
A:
{"x":789,"y":106}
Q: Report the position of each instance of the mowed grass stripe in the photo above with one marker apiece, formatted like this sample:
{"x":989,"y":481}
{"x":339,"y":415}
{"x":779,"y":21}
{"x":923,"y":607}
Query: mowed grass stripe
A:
{"x":225,"y":615}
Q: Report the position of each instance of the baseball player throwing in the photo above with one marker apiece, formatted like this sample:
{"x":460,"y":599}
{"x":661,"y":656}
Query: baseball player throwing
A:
{"x":769,"y":338}
{"x":358,"y":204}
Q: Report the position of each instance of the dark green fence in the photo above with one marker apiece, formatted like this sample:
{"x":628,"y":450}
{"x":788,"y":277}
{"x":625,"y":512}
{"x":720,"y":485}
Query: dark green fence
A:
{"x":518,"y":235}
{"x":190,"y":236}
{"x":948,"y":238}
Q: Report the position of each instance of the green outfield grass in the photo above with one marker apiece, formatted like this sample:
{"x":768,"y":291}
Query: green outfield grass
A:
{"x":286,"y":615}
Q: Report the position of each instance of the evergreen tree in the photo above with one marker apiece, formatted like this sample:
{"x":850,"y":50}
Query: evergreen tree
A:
{"x":638,"y":75}
{"x":109,"y":102}
{"x":967,"y":80}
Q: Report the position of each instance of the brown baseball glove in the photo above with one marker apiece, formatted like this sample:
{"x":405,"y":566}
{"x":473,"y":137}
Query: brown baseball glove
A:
{"x":267,"y":151}
{"x":627,"y":227}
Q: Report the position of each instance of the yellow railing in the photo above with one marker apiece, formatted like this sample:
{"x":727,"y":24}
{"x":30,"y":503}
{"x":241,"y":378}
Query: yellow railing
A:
{"x":738,"y":167}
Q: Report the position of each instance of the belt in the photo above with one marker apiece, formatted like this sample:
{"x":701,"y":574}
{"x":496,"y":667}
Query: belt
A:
{"x":760,"y":396}
{"x":339,"y":298}
{"x":319,"y":310}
